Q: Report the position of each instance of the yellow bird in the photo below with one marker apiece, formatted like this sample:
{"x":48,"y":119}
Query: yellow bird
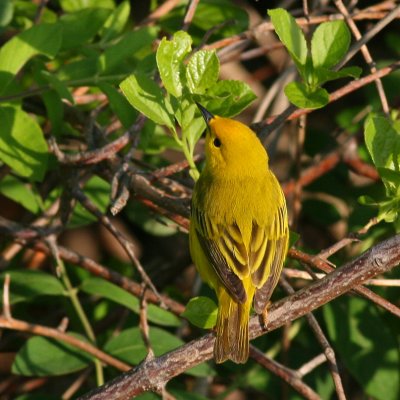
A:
{"x":238,"y":231}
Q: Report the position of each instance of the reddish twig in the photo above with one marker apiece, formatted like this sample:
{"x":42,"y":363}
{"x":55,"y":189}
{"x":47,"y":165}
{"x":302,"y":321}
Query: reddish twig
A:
{"x":35,"y":329}
{"x":311,"y":174}
{"x":363,"y":291}
{"x":125,"y":243}
{"x":290,"y":376}
{"x":323,"y":341}
{"x":113,"y":276}
{"x":191,"y":9}
{"x":365,"y":52}
{"x":6,"y":297}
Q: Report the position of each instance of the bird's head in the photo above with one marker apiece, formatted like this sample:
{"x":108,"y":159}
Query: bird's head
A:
{"x":232,"y":148}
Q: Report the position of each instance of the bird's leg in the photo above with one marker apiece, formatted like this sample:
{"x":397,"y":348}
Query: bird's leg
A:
{"x":264,"y":316}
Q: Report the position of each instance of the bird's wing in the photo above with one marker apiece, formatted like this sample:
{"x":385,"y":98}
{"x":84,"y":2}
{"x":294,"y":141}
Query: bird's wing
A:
{"x":225,"y":252}
{"x":232,"y":261}
{"x":268,"y":250}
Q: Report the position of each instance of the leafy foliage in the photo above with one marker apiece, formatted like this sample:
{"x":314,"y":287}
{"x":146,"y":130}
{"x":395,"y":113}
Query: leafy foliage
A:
{"x":185,"y":84}
{"x":74,"y":78}
{"x":329,"y":44}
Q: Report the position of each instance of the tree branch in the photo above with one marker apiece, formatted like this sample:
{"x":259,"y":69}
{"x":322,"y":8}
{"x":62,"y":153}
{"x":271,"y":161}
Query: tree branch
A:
{"x":154,"y":374}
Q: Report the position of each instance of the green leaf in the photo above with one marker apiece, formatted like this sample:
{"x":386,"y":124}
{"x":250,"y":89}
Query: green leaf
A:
{"x":290,"y":35}
{"x":367,"y":201}
{"x":59,"y":86}
{"x":147,"y":97}
{"x":303,"y":97}
{"x":22,"y":145}
{"x":194,"y":131}
{"x":366,"y":346}
{"x":25,"y":285}
{"x":116,"y":22}
{"x":44,"y":39}
{"x":41,"y":356}
{"x":6,"y":12}
{"x":229,"y":98}
{"x":55,"y":111}
{"x":114,"y":293}
{"x":170,"y":56}
{"x":389,"y":210}
{"x":293,"y":238}
{"x":85,"y":68}
{"x":22,"y":193}
{"x":128,"y":346}
{"x":329,"y":43}
{"x":201,"y":312}
{"x":230,"y":18}
{"x":391,"y":179}
{"x":119,"y":105}
{"x":51,"y":98}
{"x":383,"y":141}
{"x":120,"y":52}
{"x":323,"y":75}
{"x":153,"y":140}
{"x":81,"y":26}
{"x":76,"y":5}
{"x":202,"y":71}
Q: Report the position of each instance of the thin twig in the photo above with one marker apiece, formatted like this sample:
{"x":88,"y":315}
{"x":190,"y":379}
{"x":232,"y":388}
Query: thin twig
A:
{"x":267,"y":26}
{"x":352,"y":86}
{"x":191,"y":9}
{"x":76,"y":384}
{"x":290,"y":376}
{"x":73,"y":296}
{"x":298,"y":274}
{"x":18,"y":325}
{"x":325,"y":254}
{"x":365,"y":52}
{"x":323,"y":341}
{"x":125,"y":243}
{"x":6,"y":297}
{"x":144,"y":326}
{"x":113,"y":276}
{"x":164,"y":9}
{"x":311,"y":365}
{"x":39,"y":11}
{"x":363,"y":291}
{"x":395,"y":13}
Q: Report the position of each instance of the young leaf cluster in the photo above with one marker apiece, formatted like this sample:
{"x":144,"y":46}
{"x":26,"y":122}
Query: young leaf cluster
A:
{"x":315,"y":61}
{"x":382,"y":137}
{"x":186,"y":77}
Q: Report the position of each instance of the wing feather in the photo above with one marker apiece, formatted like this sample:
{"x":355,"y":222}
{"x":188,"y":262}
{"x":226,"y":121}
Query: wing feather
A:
{"x":232,"y":260}
{"x":217,"y":248}
{"x":270,"y":269}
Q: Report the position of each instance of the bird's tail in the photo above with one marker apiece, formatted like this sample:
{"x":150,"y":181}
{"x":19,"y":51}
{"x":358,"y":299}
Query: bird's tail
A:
{"x":232,"y":329}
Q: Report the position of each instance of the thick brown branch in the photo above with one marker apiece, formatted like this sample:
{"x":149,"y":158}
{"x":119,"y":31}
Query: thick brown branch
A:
{"x":154,"y":374}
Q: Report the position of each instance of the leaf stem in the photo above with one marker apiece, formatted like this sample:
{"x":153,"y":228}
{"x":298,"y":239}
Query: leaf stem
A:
{"x":194,"y":172}
{"x":73,"y":295}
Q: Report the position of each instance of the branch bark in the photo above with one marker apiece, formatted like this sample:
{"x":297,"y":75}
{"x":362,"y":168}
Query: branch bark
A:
{"x":153,"y":375}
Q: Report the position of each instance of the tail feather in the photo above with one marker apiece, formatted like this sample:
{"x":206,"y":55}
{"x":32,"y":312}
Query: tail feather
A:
{"x":232,"y":328}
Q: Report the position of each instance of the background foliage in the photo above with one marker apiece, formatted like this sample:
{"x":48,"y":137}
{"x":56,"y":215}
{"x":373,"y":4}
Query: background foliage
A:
{"x":97,"y":98}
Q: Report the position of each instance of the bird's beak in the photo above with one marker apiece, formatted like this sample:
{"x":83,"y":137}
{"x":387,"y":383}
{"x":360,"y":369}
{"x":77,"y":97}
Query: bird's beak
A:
{"x":206,"y":114}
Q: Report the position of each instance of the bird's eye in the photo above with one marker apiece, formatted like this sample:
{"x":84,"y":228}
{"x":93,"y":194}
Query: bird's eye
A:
{"x":217,"y":142}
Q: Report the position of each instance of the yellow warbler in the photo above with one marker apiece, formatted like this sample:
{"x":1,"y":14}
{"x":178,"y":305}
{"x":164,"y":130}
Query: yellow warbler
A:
{"x":238,"y":230}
